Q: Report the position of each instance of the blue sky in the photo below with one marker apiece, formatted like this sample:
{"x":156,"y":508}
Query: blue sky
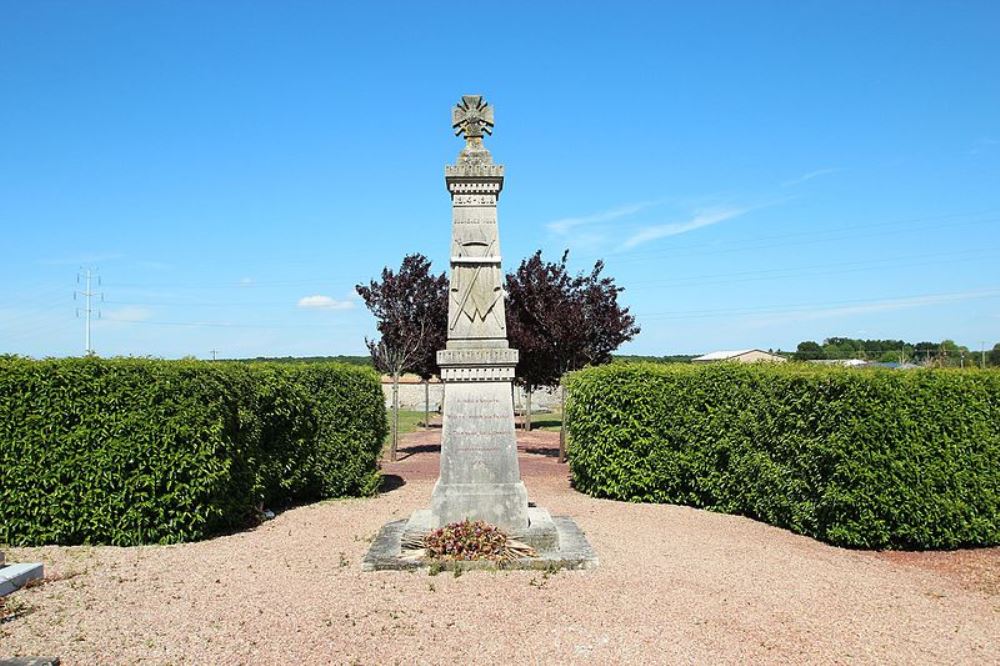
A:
{"x":754,"y":174}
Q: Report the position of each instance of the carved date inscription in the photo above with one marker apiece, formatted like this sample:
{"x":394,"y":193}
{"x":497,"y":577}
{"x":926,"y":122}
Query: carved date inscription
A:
{"x":474,"y":200}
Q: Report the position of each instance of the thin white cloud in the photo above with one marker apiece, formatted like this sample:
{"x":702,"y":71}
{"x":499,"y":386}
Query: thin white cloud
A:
{"x":319,"y":302}
{"x":809,"y":176}
{"x":703,"y":218}
{"x":896,"y":304}
{"x":92,"y":259}
{"x":984,"y":144}
{"x":567,"y":224}
{"x":154,"y":265}
{"x":130,"y":313}
{"x":887,"y":305}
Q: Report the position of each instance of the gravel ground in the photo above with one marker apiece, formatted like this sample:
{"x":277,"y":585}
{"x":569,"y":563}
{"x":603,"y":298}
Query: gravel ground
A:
{"x":675,"y":585}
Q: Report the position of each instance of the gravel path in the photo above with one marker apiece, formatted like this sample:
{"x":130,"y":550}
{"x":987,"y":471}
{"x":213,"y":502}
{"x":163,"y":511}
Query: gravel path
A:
{"x":675,"y":585}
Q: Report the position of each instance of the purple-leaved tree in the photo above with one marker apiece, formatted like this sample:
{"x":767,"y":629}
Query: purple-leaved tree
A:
{"x":562,"y":322}
{"x":411,"y":308}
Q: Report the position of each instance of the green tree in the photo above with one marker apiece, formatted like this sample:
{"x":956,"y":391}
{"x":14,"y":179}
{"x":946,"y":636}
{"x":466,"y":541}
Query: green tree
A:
{"x":993,"y":356}
{"x":841,"y":348}
{"x":809,"y":350}
{"x":925,"y":352}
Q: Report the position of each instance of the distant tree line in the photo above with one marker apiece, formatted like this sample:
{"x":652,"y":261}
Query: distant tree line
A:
{"x":350,"y":360}
{"x":945,"y":353}
{"x":670,"y":358}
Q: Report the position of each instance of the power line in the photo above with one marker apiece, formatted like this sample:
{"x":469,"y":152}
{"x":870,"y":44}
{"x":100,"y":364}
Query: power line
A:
{"x":849,"y":232}
{"x":824,"y":269}
{"x":852,"y":232}
{"x":700,"y":280}
{"x":215,"y":324}
{"x":204,"y":304}
{"x":28,"y":324}
{"x":901,"y":301}
{"x":256,"y":284}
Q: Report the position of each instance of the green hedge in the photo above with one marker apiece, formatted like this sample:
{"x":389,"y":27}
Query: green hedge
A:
{"x":857,"y":458}
{"x":133,"y":451}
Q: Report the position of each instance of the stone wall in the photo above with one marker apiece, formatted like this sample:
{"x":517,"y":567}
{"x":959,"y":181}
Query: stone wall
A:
{"x":411,"y":397}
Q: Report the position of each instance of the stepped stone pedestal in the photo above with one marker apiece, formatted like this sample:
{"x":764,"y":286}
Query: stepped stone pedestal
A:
{"x":480,"y":477}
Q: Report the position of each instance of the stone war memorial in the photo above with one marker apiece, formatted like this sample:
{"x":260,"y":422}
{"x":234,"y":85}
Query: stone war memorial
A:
{"x":480,"y":478}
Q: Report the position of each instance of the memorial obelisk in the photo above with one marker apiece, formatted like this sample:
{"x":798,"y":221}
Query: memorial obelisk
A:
{"x":480,"y":478}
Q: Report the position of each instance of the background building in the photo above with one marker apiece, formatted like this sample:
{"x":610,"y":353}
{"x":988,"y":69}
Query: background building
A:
{"x":740,"y":356}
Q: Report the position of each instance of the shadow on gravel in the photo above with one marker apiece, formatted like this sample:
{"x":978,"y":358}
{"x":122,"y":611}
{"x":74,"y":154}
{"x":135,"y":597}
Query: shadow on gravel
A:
{"x":404,"y":453}
{"x":547,"y":451}
{"x":391,"y":482}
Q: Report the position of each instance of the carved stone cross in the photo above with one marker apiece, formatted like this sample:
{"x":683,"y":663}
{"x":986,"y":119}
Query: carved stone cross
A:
{"x":472,"y":117}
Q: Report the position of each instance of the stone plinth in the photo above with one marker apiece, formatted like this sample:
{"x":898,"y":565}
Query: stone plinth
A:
{"x":540,"y":533}
{"x":480,"y":478}
{"x":573,"y":552}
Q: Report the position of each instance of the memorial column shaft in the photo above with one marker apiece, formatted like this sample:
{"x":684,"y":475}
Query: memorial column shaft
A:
{"x":480,"y":478}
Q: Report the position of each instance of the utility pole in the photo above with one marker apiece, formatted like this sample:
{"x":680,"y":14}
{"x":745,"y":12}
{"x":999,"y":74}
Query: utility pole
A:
{"x":982,"y":358}
{"x":214,"y":352}
{"x":88,"y":293}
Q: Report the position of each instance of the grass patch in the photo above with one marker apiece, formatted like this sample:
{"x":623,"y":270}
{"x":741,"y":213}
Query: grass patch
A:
{"x":547,"y":421}
{"x":409,"y":421}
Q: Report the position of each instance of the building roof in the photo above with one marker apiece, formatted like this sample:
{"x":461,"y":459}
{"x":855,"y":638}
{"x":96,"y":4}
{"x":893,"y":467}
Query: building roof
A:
{"x":846,"y":362}
{"x":723,"y":355}
{"x":897,"y":366}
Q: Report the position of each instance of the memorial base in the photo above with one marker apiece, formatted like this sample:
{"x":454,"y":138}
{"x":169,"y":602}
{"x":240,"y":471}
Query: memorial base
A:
{"x":573,"y":552}
{"x":480,"y":479}
{"x":541,"y":533}
{"x":500,"y":504}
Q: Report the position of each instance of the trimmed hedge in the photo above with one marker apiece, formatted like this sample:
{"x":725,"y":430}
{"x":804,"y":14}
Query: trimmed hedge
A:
{"x":134,"y":451}
{"x":857,"y":458}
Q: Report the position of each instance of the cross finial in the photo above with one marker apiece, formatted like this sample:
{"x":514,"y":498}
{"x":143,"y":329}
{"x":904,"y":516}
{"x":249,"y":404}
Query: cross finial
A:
{"x":473,"y":117}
